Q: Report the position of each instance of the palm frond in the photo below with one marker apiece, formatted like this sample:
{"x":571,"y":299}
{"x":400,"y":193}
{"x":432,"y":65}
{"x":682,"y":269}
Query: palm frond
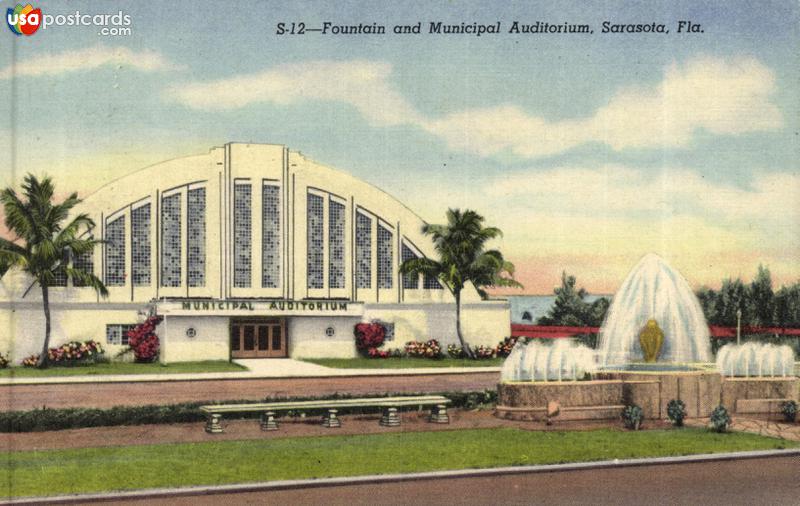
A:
{"x":87,"y":279}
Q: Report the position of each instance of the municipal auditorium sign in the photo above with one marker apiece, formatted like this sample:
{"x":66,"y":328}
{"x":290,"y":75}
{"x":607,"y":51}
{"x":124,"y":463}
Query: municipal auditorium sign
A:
{"x":227,"y":307}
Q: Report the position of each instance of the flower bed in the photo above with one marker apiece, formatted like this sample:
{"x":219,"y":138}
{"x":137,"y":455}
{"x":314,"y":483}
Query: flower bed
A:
{"x":428,"y":349}
{"x":69,"y":354}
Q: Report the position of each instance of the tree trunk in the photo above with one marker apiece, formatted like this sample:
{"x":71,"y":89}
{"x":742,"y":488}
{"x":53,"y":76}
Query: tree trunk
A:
{"x":464,"y":345}
{"x":46,"y":303}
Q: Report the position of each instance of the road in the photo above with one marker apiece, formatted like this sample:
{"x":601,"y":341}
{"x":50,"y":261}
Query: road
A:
{"x":772,"y":481}
{"x":105,"y":395}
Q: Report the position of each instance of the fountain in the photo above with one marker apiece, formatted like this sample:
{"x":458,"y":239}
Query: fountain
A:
{"x":755,"y":360}
{"x":653,"y":347}
{"x":654,"y":291}
{"x":559,"y":361}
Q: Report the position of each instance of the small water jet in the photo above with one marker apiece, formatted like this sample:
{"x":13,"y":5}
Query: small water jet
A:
{"x":562,"y":360}
{"x":755,"y":360}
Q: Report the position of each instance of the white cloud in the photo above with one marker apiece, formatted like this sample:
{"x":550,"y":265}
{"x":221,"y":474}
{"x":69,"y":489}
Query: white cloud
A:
{"x":722,"y":97}
{"x":51,"y":64}
{"x":771,"y":198}
{"x":615,"y":212}
{"x":361,"y":84}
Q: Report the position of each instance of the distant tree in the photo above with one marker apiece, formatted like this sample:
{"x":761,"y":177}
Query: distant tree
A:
{"x":733,"y":296}
{"x":46,"y":241}
{"x":787,"y":306}
{"x":761,"y":299}
{"x":463,"y":258}
{"x":708,"y":302}
{"x":571,"y":310}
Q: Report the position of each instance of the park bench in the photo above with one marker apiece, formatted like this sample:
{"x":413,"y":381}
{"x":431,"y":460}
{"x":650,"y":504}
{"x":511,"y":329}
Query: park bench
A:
{"x":269,"y":410}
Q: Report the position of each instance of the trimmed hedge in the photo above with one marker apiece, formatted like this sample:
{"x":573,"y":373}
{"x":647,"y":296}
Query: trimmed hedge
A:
{"x":47,"y":419}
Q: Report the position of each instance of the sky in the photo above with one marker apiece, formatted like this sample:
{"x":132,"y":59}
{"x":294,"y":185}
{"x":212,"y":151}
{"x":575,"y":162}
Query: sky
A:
{"x":587,"y":150}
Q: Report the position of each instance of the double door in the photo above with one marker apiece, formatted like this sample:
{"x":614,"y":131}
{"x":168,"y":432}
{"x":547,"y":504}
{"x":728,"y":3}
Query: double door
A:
{"x":258,"y":338}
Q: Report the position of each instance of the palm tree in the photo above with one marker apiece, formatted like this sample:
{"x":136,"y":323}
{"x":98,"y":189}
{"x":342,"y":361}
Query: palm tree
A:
{"x":460,"y":246}
{"x":43,"y":246}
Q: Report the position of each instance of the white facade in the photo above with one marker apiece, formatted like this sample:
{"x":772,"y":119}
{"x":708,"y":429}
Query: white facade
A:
{"x":244,"y":233}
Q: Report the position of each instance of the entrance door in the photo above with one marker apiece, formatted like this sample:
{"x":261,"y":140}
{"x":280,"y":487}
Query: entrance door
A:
{"x":258,"y":338}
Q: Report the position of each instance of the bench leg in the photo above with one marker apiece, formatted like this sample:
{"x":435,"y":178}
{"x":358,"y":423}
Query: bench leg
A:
{"x":268,"y":421}
{"x":213,"y":425}
{"x":330,"y":420}
{"x":439,"y":414}
{"x":390,"y":418}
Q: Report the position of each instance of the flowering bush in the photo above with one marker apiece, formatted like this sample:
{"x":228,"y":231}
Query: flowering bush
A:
{"x":428,"y":349}
{"x":369,"y":337}
{"x":3,"y":361}
{"x":376,"y":353}
{"x":72,"y":353}
{"x":143,"y":340}
{"x":483,"y":352}
{"x":455,"y":351}
{"x":505,"y":346}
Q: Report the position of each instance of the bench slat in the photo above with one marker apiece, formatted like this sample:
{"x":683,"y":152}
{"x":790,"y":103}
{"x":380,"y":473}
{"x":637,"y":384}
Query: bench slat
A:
{"x":332,"y":403}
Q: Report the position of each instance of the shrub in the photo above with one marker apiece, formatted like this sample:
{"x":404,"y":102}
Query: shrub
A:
{"x":455,"y":351}
{"x":676,"y":411}
{"x":142,"y":339}
{"x":720,"y":419}
{"x":504,"y":347}
{"x":376,"y":353}
{"x":369,"y":337}
{"x":789,"y":410}
{"x":428,"y":349}
{"x":69,"y":354}
{"x":483,"y":352}
{"x":632,"y":417}
{"x":3,"y":361}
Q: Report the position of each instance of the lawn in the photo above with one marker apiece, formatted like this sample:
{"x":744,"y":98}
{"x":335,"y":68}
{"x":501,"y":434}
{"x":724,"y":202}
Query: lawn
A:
{"x":212,"y":463}
{"x":123,"y":368}
{"x":402,"y":363}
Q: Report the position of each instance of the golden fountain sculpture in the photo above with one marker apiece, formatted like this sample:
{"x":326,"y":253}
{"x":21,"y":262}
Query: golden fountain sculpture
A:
{"x":651,"y":338}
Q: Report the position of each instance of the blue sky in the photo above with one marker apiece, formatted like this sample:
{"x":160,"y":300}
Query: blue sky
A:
{"x":588,"y":150}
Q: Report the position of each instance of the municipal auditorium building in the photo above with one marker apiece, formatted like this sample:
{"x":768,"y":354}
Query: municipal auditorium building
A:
{"x":249,"y":251}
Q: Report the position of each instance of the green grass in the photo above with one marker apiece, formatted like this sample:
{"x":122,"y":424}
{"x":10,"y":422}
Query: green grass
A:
{"x":402,"y":363}
{"x":212,"y":463}
{"x":123,"y":368}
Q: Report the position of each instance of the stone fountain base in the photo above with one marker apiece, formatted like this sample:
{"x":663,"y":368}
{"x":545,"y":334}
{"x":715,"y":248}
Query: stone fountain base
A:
{"x":605,"y":397}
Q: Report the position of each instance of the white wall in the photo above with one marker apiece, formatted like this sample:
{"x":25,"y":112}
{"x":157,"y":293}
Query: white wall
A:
{"x":307,"y":337}
{"x":211,"y":341}
{"x":27,"y":323}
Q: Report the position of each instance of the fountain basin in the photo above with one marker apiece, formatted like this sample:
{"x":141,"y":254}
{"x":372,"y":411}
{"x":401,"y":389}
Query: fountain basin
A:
{"x":604,"y":397}
{"x":652,"y":367}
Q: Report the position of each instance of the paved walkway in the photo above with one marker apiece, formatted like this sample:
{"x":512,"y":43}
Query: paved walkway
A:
{"x":257,"y":369}
{"x":757,"y":426}
{"x":133,"y":392}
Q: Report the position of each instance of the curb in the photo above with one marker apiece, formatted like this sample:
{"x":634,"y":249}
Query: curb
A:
{"x":395,"y":478}
{"x":89,"y":380}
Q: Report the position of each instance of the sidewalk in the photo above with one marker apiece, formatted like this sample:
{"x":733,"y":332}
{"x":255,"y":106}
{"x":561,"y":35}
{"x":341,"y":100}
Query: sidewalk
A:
{"x":758,"y":426}
{"x":257,"y":369}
